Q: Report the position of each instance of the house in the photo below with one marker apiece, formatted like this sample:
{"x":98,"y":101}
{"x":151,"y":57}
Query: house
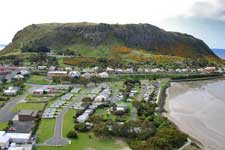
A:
{"x":103,"y":75}
{"x":57,"y":73}
{"x":52,"y":68}
{"x":68,"y":69}
{"x":11,"y":91}
{"x":129,"y":70}
{"x":38,"y":92}
{"x":18,"y":77}
{"x":74,"y":74}
{"x":42,"y":67}
{"x":27,"y":115}
{"x":86,"y":75}
{"x":109,"y":70}
{"x":19,"y":138}
{"x":118,"y":70}
{"x":95,"y":69}
{"x":210,"y":69}
{"x":140,"y":70}
{"x":24,"y":72}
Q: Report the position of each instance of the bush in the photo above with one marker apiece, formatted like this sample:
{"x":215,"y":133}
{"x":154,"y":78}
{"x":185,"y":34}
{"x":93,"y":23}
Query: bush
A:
{"x":72,"y":135}
{"x":82,"y":127}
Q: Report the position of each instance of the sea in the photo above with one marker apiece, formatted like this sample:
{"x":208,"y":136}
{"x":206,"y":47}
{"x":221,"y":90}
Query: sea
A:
{"x":198,"y":109}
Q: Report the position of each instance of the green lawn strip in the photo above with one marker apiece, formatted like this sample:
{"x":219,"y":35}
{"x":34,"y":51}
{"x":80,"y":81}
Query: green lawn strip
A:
{"x":45,"y":130}
{"x":2,"y":102}
{"x":38,"y":79}
{"x":68,"y":121}
{"x":24,"y":105}
{"x":3,"y":125}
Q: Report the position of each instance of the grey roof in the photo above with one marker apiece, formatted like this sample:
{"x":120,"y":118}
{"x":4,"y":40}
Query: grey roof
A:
{"x":28,"y":112}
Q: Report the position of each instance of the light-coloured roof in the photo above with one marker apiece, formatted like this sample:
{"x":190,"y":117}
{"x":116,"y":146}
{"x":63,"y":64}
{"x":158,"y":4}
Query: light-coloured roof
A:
{"x":18,"y":135}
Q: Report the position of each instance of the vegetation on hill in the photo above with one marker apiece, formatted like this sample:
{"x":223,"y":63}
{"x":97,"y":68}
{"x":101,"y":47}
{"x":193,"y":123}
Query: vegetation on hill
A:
{"x":109,"y":44}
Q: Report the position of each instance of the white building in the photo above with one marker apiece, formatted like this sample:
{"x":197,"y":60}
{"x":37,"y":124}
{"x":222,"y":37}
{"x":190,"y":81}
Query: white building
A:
{"x":104,"y":75}
{"x":110,"y":70}
{"x":42,"y":67}
{"x":86,"y":75}
{"x":18,"y":138}
{"x":74,"y":74}
{"x":11,"y":91}
{"x":4,"y":142}
{"x":18,"y":77}
{"x":24,"y":72}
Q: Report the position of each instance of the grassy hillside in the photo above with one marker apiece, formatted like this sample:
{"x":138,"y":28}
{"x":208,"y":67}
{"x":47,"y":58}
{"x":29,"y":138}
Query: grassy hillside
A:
{"x":111,"y":44}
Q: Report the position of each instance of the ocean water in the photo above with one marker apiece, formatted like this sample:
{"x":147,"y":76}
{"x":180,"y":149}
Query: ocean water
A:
{"x":198,"y":108}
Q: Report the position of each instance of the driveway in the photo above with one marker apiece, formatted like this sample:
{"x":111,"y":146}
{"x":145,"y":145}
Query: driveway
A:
{"x":6,"y":113}
{"x":58,"y":139}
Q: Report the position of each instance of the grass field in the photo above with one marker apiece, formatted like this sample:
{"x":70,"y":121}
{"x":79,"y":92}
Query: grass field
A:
{"x":45,"y":130}
{"x":84,"y":142}
{"x":38,"y":79}
{"x":23,"y":105}
{"x":3,"y":125}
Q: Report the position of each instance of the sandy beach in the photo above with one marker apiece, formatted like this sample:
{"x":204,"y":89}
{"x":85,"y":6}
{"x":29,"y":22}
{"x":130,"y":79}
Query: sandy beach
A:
{"x":198,"y":109}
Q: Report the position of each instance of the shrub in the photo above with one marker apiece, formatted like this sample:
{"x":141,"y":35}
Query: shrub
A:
{"x":72,"y":135}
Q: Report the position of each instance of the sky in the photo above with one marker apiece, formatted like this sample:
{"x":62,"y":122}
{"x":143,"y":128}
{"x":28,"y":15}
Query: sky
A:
{"x":204,"y":19}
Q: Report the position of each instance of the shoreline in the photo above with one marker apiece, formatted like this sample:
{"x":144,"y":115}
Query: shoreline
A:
{"x":167,"y":110}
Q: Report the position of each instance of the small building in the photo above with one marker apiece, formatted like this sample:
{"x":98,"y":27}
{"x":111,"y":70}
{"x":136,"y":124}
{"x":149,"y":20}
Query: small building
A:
{"x":86,"y":75}
{"x":103,"y":75}
{"x":18,"y":77}
{"x":210,"y":69}
{"x":11,"y":91}
{"x":109,"y":70}
{"x":74,"y":74}
{"x":38,"y":92}
{"x":42,"y":67}
{"x":57,"y":73}
{"x":52,"y":68}
{"x":19,"y":138}
{"x":24,"y":72}
{"x":27,"y":115}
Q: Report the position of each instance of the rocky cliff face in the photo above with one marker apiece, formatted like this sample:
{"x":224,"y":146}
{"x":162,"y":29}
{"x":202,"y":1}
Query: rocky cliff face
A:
{"x":138,"y":36}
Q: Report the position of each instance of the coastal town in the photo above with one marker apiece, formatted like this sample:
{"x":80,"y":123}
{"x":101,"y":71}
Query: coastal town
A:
{"x":37,"y":102}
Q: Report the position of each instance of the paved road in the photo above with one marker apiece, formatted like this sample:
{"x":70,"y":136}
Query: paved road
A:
{"x":6,"y":113}
{"x":134,"y":114}
{"x":58,"y":139}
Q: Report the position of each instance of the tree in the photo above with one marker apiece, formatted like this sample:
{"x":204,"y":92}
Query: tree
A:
{"x":156,"y":143}
{"x":72,"y":134}
{"x":4,"y":80}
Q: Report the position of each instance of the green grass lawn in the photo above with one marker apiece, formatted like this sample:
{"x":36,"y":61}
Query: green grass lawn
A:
{"x":38,"y":79}
{"x":3,"y":125}
{"x":45,"y":130}
{"x":32,"y":98}
{"x":2,"y":102}
{"x":23,"y":105}
{"x":83,"y":142}
{"x":68,"y":122}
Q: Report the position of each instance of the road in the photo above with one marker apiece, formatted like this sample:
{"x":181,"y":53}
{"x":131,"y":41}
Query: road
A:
{"x":134,"y":114}
{"x":58,"y":139}
{"x":6,"y":113}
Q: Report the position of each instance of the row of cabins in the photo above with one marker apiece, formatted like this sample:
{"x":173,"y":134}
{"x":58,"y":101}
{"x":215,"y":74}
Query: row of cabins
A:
{"x":158,"y":70}
{"x":103,"y":97}
{"x":148,"y":91}
{"x":76,"y":74}
{"x":51,"y":111}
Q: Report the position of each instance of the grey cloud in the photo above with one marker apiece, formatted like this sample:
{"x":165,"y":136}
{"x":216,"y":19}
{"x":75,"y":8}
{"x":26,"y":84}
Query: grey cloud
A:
{"x":206,"y":9}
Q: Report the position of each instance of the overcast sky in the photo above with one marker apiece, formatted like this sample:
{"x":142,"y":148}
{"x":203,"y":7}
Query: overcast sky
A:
{"x":169,"y":14}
